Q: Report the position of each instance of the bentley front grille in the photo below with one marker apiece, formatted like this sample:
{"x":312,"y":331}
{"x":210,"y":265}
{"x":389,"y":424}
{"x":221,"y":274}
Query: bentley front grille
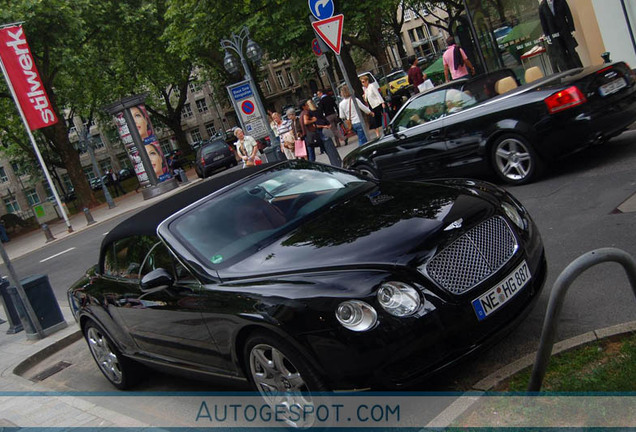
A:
{"x":474,"y":256}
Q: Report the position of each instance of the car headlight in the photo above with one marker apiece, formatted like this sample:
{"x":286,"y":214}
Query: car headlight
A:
{"x":398,"y":298}
{"x":356,"y":315}
{"x":512,"y":213}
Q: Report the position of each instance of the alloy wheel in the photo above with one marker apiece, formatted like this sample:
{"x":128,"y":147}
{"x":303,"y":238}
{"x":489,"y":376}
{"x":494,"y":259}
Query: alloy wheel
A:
{"x":513,"y":159}
{"x":105,"y":356}
{"x":278,"y":380}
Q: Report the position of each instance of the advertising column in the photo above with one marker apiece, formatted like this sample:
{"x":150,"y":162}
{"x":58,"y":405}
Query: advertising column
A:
{"x":142,"y":145}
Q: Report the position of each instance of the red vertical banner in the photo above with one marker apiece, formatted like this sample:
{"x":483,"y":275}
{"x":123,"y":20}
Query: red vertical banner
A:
{"x":25,"y":80}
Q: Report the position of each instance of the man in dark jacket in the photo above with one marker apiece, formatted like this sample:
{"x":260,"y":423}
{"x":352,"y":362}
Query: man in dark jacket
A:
{"x":558,"y":25}
{"x":327,"y":104}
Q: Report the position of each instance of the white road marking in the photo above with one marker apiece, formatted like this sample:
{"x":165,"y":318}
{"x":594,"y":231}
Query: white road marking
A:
{"x":57,"y":254}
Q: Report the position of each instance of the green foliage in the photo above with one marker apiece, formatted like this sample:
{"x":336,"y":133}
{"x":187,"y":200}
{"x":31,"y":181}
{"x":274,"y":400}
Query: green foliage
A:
{"x":605,"y":366}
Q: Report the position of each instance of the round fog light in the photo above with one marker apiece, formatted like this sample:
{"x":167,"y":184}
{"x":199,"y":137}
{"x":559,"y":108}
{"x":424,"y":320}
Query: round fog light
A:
{"x":356,"y":315}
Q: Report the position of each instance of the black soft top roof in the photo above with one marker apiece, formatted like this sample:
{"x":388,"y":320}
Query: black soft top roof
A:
{"x":146,"y":221}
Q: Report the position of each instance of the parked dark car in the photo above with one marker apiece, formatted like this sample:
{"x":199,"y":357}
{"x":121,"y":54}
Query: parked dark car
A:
{"x":125,"y":173}
{"x":304,"y":277}
{"x":96,"y":183}
{"x":212,"y":156}
{"x":464,"y":127}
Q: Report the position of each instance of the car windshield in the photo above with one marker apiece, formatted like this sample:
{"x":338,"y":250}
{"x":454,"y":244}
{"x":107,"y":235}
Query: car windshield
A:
{"x":252,"y":214}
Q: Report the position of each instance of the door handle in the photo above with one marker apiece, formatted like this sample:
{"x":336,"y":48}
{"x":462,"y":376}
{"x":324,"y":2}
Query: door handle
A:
{"x":435,"y":134}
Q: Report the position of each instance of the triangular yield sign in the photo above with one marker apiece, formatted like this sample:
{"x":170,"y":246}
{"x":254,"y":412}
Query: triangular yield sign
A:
{"x":330,"y":31}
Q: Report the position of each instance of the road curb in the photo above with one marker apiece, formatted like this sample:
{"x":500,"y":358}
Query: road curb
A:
{"x":55,"y":347}
{"x":465,"y":403}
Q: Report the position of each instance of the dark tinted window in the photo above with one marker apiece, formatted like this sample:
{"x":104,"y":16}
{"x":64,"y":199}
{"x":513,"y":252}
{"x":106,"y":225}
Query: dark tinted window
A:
{"x":160,"y":257}
{"x":124,"y":257}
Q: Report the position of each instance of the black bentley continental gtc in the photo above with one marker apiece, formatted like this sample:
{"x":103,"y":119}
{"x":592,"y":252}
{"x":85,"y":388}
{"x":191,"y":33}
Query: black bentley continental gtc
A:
{"x":304,"y":277}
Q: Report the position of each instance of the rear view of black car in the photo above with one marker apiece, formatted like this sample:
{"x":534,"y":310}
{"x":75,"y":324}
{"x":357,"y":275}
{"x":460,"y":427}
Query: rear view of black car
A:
{"x":212,"y":156}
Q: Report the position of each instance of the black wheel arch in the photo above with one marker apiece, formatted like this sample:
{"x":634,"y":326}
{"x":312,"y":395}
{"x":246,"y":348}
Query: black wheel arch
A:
{"x":243,"y":335}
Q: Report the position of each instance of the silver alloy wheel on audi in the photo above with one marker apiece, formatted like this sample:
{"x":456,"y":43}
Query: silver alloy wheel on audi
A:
{"x":513,"y":159}
{"x":279,"y":381}
{"x":106,"y":358}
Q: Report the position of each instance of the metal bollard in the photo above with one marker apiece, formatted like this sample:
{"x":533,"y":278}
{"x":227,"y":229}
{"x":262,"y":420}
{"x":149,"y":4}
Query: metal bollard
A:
{"x":47,"y":233}
{"x":89,"y":216}
{"x":183,"y":176}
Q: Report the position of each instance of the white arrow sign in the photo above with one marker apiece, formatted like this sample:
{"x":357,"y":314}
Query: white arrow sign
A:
{"x":330,"y":31}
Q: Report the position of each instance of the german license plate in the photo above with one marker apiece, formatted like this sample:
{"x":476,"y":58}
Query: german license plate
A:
{"x":219,"y":157}
{"x":501,"y":293}
{"x":612,"y":87}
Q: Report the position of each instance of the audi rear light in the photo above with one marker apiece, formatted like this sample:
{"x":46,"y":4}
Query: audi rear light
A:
{"x":565,"y":99}
{"x":202,"y":161}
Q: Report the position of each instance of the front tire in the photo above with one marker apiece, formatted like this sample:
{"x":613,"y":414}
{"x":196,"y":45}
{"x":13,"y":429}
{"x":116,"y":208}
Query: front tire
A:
{"x":282,"y":376}
{"x":514,"y":160}
{"x":119,"y":370}
{"x":367,"y":171}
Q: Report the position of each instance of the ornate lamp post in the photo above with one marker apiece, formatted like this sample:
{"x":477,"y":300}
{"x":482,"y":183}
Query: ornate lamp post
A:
{"x":255,"y":54}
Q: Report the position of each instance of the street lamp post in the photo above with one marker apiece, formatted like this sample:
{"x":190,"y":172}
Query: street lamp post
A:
{"x":254,"y":53}
{"x":85,"y":144}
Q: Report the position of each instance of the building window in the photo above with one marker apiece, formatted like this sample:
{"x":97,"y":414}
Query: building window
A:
{"x":67,"y":182}
{"x":105,"y":165}
{"x":3,"y":175}
{"x":194,"y":87}
{"x":11,"y":204}
{"x":290,"y":77}
{"x":412,"y":36}
{"x":89,"y":173}
{"x":281,"y":80}
{"x":17,"y":169}
{"x":202,"y":106}
{"x":268,"y":85}
{"x":124,"y":162}
{"x":32,"y":197}
{"x":420,"y":33}
{"x":97,"y":141}
{"x":196,"y":135}
{"x":210,"y":129}
{"x":408,"y":15}
{"x":165,"y":146}
{"x":187,"y":111}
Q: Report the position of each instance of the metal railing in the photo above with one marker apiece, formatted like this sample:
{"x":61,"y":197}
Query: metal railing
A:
{"x":557,"y":296}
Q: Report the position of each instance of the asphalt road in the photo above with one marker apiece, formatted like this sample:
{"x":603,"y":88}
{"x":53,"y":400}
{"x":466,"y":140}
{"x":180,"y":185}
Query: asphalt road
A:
{"x":573,"y":206}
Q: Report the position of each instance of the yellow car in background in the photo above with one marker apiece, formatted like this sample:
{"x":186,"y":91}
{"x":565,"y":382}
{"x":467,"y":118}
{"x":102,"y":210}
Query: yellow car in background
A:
{"x":394,"y":82}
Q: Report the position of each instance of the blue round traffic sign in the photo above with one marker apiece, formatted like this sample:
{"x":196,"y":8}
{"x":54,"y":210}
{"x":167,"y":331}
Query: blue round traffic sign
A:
{"x":247,"y":107}
{"x":321,"y":9}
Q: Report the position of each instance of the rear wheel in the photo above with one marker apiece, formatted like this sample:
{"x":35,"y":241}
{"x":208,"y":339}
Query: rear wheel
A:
{"x":282,"y":376}
{"x":514,"y":160}
{"x":367,"y":171}
{"x":119,"y":370}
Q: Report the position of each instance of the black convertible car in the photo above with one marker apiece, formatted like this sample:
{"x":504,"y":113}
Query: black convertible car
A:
{"x":489,"y":122}
{"x":305,"y":277}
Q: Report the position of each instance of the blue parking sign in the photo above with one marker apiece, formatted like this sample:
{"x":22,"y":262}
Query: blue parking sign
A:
{"x":321,"y":9}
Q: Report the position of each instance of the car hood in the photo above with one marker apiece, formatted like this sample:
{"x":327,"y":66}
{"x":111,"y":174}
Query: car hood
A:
{"x":396,"y":223}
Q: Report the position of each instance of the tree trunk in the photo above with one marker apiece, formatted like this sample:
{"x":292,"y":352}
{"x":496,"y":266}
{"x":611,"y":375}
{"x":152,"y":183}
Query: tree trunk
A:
{"x":58,"y":134}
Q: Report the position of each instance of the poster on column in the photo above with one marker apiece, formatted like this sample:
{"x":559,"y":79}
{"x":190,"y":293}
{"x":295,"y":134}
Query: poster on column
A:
{"x":251,"y":119}
{"x":151,"y":145}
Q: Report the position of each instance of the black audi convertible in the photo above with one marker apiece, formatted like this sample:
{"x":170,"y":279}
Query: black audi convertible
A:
{"x":304,"y":277}
{"x":491,"y":123}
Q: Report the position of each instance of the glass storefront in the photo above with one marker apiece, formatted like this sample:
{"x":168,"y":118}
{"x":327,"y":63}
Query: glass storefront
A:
{"x":509,"y":34}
